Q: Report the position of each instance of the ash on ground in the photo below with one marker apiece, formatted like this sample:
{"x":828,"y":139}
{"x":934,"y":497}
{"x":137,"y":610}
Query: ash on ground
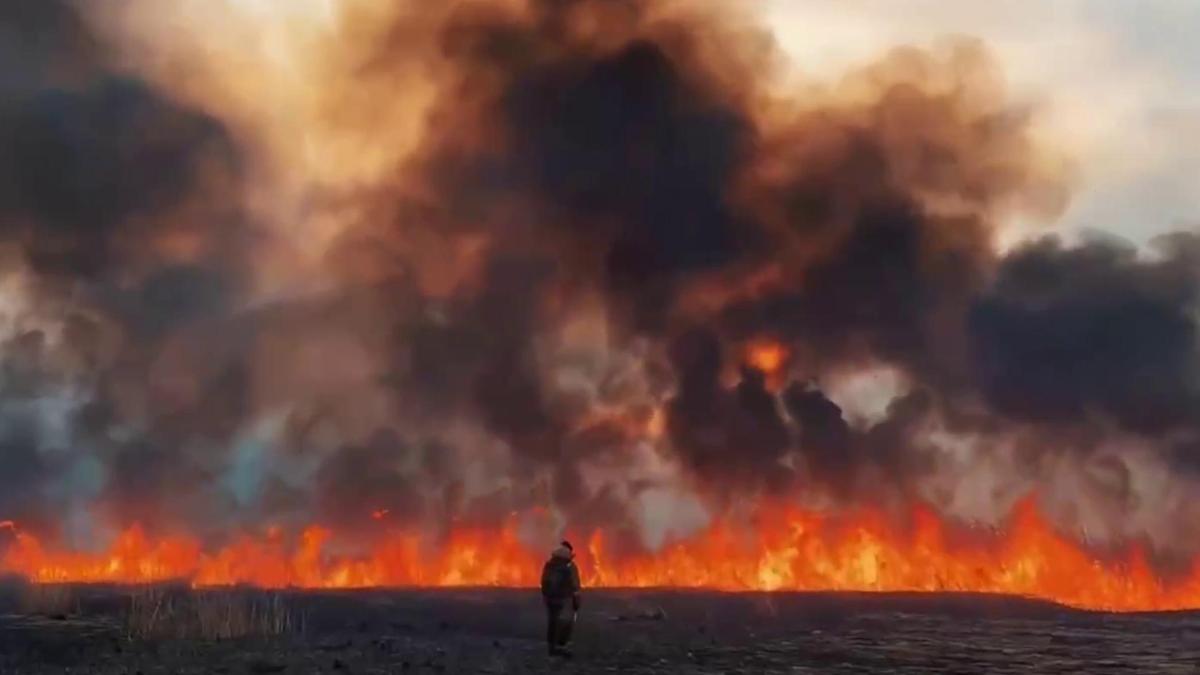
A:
{"x":175,"y":630}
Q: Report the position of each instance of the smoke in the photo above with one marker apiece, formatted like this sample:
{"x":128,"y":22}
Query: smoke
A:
{"x":1066,"y":334}
{"x":496,"y":256}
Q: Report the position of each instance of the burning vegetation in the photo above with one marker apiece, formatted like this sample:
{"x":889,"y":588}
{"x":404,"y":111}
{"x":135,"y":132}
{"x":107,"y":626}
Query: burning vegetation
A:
{"x":394,"y":296}
{"x":787,"y":549}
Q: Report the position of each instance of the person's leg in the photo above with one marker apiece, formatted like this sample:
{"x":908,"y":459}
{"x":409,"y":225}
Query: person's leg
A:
{"x":553,"y":613}
{"x":566,"y":627}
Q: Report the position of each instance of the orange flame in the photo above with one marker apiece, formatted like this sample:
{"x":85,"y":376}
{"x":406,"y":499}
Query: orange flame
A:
{"x":785,"y":549}
{"x":766,"y":356}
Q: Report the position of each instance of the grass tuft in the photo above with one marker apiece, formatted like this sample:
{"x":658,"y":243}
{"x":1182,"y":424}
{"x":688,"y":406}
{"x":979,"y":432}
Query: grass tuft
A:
{"x":157,"y":611}
{"x":50,"y":600}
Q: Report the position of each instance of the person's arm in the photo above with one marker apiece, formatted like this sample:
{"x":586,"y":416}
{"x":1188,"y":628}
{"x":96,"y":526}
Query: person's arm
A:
{"x":575,"y":587}
{"x":545,"y":578}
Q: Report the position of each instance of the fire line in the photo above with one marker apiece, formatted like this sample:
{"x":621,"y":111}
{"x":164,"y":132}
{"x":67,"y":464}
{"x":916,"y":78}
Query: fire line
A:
{"x":786,"y":549}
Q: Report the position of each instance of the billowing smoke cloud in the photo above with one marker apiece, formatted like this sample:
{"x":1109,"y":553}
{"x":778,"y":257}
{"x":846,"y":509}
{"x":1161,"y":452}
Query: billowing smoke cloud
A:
{"x":1067,"y":334}
{"x":549,"y":294}
{"x":120,"y":223}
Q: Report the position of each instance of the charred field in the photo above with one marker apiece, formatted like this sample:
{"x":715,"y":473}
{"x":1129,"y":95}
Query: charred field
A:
{"x":165,"y":629}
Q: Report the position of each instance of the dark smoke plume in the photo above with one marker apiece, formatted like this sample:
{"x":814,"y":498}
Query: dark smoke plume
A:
{"x":1067,"y":334}
{"x":549,"y":297}
{"x":119,"y":212}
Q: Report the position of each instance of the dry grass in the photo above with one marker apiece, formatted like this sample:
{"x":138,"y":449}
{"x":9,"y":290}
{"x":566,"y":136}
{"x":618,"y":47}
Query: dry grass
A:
{"x":54,"y":600}
{"x":172,"y":612}
{"x":229,"y":614}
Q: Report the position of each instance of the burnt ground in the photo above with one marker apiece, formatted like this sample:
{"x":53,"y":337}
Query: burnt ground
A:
{"x":499,"y":631}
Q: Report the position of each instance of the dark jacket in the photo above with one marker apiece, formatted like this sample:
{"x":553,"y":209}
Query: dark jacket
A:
{"x":560,"y":579}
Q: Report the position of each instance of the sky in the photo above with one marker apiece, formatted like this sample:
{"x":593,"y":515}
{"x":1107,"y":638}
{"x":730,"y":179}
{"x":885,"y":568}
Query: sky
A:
{"x":1116,"y":80}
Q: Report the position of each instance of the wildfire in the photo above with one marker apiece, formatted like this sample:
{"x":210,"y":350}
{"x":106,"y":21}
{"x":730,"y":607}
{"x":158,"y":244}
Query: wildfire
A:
{"x":768,"y":357}
{"x":785,"y":549}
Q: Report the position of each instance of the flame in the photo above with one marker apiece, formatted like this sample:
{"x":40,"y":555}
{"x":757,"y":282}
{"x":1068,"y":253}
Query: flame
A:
{"x":770,"y":358}
{"x":784,"y":549}
{"x":767,"y":356}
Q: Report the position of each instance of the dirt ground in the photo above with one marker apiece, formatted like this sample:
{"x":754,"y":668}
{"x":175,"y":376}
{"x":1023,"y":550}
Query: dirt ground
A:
{"x":638,"y":632}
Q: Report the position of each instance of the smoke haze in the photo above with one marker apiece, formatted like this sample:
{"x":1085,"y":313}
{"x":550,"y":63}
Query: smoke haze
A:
{"x":498,"y":256}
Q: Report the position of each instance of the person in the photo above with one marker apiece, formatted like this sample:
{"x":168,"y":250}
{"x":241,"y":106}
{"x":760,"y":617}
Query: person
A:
{"x":560,"y":585}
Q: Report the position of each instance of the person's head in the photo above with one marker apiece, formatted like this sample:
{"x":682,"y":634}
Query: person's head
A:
{"x":564,"y":550}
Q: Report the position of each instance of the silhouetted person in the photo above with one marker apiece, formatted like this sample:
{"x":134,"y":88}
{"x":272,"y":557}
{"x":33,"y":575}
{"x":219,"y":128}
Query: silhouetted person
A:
{"x":560,"y":585}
